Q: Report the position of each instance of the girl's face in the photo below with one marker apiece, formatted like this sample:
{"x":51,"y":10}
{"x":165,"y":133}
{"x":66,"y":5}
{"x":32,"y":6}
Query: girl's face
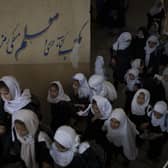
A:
{"x":141,"y":99}
{"x":60,"y":147}
{"x":21,"y":129}
{"x":96,"y":108}
{"x":157,"y":115}
{"x":75,"y":84}
{"x":53,"y":91}
{"x":115,"y":123}
{"x":151,"y":44}
{"x":131,"y":77}
{"x":4,"y":92}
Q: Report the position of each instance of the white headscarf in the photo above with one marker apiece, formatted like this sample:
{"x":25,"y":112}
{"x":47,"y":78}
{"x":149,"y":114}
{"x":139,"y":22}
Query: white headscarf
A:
{"x":125,"y":135}
{"x":96,"y":85}
{"x":31,"y":122}
{"x":67,"y":137}
{"x":102,"y":88}
{"x":136,"y":108}
{"x":123,"y":41}
{"x":136,"y":64}
{"x":131,"y":83}
{"x":61,"y":95}
{"x":104,"y":106}
{"x":19,"y":100}
{"x":84,"y":90}
{"x":149,"y":50}
{"x":99,"y":66}
{"x":155,"y":9}
{"x":160,"y":107}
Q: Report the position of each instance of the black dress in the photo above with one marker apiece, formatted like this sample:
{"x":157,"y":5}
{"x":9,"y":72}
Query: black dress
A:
{"x":88,"y":159}
{"x":61,"y":113}
{"x":155,"y":88}
{"x":123,"y":59}
{"x":156,"y":145}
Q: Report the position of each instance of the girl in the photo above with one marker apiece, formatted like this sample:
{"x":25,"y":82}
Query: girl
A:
{"x":121,"y":132}
{"x":139,"y":42}
{"x":121,"y":56}
{"x":100,"y":111}
{"x":132,"y":85}
{"x":34,"y":144}
{"x":99,"y":66}
{"x":139,"y":107}
{"x":151,"y":57}
{"x":157,"y":128}
{"x":14,"y":99}
{"x":60,"y":105}
{"x":139,"y":65}
{"x":68,"y":152}
{"x":81,"y":91}
{"x":101,"y":87}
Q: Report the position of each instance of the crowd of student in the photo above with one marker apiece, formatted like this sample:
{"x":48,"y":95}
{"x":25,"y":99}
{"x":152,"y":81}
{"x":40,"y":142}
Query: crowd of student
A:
{"x":140,"y":62}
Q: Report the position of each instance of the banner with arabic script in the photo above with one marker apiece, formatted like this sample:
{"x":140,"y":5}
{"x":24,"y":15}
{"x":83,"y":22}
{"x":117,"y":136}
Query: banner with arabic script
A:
{"x":44,"y":31}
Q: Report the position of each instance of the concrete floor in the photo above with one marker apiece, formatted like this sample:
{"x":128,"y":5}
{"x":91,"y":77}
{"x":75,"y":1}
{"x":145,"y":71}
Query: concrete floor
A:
{"x":102,"y":40}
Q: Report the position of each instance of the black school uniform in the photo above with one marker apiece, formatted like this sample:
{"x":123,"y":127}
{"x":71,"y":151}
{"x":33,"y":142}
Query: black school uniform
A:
{"x":61,"y":113}
{"x":123,"y":58}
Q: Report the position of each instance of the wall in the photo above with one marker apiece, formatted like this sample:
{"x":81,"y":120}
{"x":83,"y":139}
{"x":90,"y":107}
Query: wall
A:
{"x":137,"y":11}
{"x":37,"y":38}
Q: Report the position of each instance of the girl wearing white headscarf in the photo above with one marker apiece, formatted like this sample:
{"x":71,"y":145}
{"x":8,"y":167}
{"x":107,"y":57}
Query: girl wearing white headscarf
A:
{"x":124,"y":135}
{"x":157,"y":128}
{"x":68,"y":152}
{"x":100,"y":111}
{"x":152,"y":58}
{"x":101,"y":87}
{"x":140,"y":106}
{"x":35,"y":144}
{"x":132,"y":85}
{"x":60,"y":106}
{"x":139,"y":65}
{"x":17,"y":99}
{"x":121,"y":56}
{"x":61,"y":96}
{"x":83,"y":89}
{"x":99,"y":66}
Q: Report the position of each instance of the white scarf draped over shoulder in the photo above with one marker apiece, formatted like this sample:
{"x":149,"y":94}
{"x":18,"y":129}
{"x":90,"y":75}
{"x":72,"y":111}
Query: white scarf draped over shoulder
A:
{"x":160,"y":107}
{"x":84,"y":90}
{"x":31,"y":122}
{"x":104,"y":106}
{"x":125,"y":135}
{"x":136,"y":108}
{"x":123,"y":41}
{"x":61,"y":94}
{"x":99,"y":66}
{"x":19,"y":100}
{"x":149,"y":50}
